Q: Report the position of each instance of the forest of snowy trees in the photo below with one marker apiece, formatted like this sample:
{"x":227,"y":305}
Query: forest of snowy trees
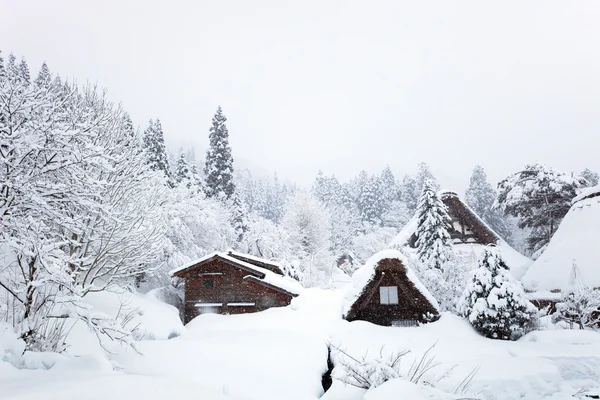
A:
{"x":88,"y":201}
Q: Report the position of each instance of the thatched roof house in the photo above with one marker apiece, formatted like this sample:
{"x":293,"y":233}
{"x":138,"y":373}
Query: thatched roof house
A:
{"x":468,"y":232}
{"x":385,"y":291}
{"x":234,"y":283}
{"x":575,"y":241}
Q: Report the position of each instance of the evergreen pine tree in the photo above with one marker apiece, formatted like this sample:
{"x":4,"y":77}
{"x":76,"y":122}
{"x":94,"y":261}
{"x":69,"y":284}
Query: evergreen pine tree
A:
{"x":2,"y":70}
{"x":370,"y":201}
{"x":44,"y":78}
{"x":218,"y":169}
{"x":238,"y":218}
{"x":183,"y":174}
{"x":156,"y":151}
{"x":480,"y":196}
{"x":494,"y":301}
{"x":408,"y":193}
{"x":433,"y":240}
{"x":24,"y":70}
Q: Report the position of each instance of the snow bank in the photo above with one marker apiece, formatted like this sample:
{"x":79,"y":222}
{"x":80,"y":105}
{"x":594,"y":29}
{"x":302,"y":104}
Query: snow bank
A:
{"x":577,"y":239}
{"x":363,"y":275}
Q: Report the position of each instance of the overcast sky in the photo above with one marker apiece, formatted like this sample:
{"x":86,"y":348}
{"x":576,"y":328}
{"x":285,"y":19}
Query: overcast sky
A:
{"x":339,"y":85}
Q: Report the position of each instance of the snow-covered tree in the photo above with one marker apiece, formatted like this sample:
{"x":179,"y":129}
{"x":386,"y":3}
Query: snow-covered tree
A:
{"x":579,"y":305}
{"x":412,"y":187}
{"x":480,"y":196}
{"x":409,"y":193}
{"x":153,"y":143}
{"x":370,"y":201}
{"x":494,"y":301}
{"x":183,"y":174}
{"x":218,"y":167}
{"x":591,"y":177}
{"x":433,"y":240}
{"x":238,"y":219}
{"x":77,"y":206}
{"x":307,"y":223}
{"x":539,"y":197}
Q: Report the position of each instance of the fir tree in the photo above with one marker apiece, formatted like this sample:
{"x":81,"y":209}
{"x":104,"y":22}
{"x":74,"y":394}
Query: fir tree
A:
{"x":44,"y":79}
{"x":433,"y":240}
{"x":218,"y":169}
{"x":408,"y":193}
{"x":2,"y":71}
{"x":24,"y":70}
{"x":238,"y":219}
{"x":156,"y":151}
{"x":494,"y":302}
{"x":183,"y":174}
{"x":370,"y":201}
{"x":480,"y":197}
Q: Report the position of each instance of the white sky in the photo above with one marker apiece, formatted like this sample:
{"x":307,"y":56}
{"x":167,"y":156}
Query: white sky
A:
{"x":340,"y":85}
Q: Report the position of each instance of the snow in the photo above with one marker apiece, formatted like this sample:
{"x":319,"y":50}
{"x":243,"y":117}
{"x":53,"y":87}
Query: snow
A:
{"x":364,"y":274}
{"x":254,"y":258}
{"x":576,"y":239}
{"x":281,"y":353}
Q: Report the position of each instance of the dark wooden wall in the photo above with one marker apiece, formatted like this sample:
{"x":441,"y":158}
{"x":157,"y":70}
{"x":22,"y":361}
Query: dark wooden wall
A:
{"x":230,"y":287}
{"x":411,"y":303}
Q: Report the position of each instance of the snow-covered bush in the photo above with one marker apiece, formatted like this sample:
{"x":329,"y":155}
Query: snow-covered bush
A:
{"x":579,"y":308}
{"x":494,"y":301}
{"x":445,"y":285}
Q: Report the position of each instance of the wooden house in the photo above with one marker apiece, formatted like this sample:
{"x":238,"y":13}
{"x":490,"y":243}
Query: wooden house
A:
{"x":465,"y":226}
{"x":386,"y":292}
{"x":234,"y":283}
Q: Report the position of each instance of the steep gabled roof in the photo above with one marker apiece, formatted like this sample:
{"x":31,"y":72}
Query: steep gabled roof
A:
{"x":364,"y":280}
{"x":256,"y":274}
{"x":485,"y":235}
{"x":461,"y":215}
{"x":575,"y":241}
{"x":459,"y":210}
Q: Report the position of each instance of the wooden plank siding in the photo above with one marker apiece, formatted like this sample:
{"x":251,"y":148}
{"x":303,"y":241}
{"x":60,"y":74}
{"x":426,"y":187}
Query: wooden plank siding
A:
{"x":231,"y":285}
{"x":412,"y":304}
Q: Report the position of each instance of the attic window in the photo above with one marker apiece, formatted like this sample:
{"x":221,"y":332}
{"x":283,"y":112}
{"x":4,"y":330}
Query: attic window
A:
{"x":388,"y":294}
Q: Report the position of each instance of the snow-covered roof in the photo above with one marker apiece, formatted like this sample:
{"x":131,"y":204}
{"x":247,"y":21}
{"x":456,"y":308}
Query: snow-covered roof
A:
{"x":265,"y":276}
{"x":576,"y":239}
{"x":253,"y":258}
{"x":586,"y":192}
{"x":363,"y":276}
{"x":516,"y":262}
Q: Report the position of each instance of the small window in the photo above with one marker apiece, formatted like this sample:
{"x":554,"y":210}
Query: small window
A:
{"x":388,"y":294}
{"x":208,"y":283}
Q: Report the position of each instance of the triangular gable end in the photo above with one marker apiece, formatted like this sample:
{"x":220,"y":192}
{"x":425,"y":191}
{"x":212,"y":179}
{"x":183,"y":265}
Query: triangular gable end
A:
{"x":410,"y":302}
{"x":465,"y":225}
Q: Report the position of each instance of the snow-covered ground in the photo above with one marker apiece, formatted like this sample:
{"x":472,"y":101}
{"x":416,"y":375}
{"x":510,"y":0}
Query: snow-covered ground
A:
{"x":282,"y":353}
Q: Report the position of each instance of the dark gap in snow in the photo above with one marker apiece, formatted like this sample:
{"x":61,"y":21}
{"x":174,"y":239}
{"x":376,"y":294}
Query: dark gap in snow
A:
{"x":326,"y":380}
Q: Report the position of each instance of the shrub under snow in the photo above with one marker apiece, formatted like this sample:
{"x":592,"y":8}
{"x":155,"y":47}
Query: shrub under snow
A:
{"x":494,"y":301}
